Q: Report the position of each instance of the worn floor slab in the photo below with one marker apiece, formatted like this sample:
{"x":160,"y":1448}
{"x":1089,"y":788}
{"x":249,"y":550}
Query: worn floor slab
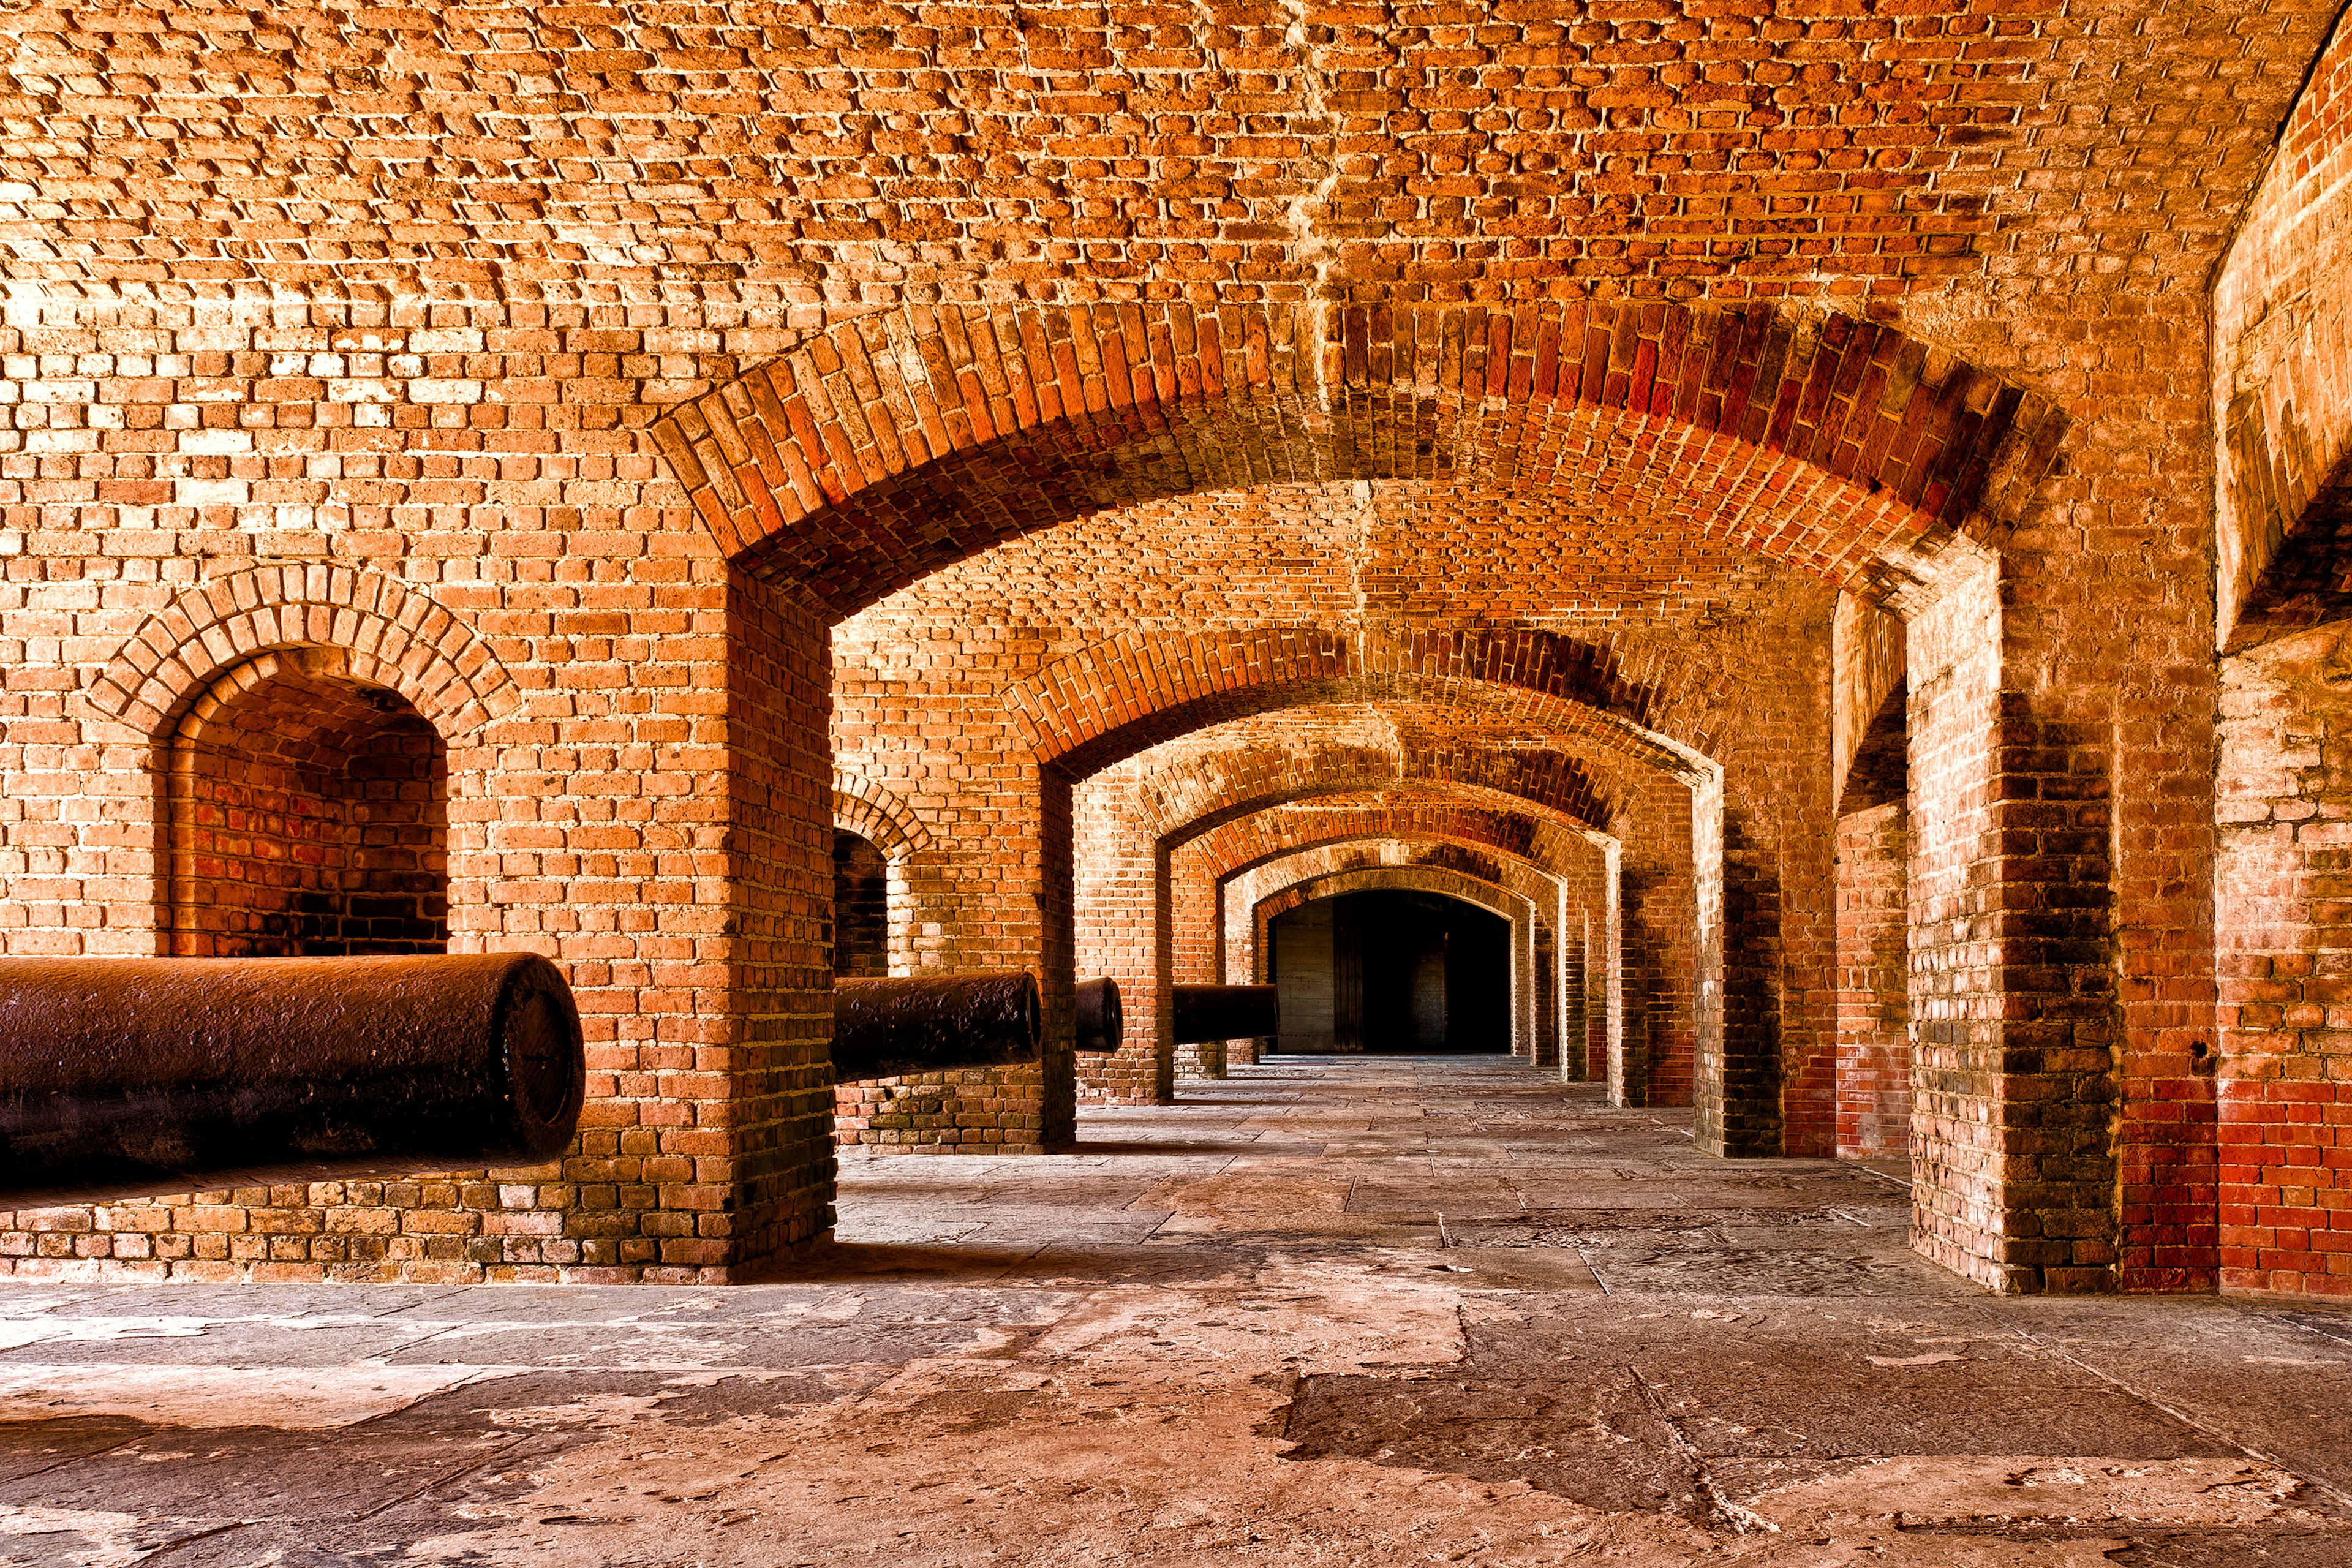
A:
{"x":1327,"y":1312}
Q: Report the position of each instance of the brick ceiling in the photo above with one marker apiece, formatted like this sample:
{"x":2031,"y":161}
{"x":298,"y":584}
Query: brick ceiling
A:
{"x":844,"y":153}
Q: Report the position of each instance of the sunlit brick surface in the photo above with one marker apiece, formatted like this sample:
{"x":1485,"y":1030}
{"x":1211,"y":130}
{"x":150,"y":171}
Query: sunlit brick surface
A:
{"x":1016,"y":437}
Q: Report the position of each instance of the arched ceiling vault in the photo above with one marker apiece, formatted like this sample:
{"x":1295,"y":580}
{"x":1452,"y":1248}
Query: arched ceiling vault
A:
{"x":1246,"y":843}
{"x":900,"y":444}
{"x":758,"y":150}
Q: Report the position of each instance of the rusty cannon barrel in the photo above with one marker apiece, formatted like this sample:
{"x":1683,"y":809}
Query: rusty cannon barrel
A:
{"x":119,"y":1073}
{"x":888,"y":1029}
{"x":1225,"y":1012}
{"x":1101,"y":1021}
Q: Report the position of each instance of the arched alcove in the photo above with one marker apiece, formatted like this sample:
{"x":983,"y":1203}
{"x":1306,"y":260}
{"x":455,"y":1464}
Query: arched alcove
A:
{"x":307,"y":816}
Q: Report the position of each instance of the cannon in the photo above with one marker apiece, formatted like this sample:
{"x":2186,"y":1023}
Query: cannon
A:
{"x":140,"y":1075}
{"x":889,"y":1029}
{"x":1225,"y":1012}
{"x":1101,"y":1022}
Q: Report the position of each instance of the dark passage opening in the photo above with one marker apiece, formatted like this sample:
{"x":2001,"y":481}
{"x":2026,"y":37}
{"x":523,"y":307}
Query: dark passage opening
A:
{"x":861,"y":908}
{"x":1392,"y":971}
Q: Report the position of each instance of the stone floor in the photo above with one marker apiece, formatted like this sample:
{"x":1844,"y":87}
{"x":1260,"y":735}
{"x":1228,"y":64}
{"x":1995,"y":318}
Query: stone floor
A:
{"x":1325,"y":1312}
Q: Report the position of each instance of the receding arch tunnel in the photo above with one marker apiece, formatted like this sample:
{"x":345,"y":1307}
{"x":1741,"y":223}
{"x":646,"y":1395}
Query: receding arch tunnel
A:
{"x":1748,"y":610}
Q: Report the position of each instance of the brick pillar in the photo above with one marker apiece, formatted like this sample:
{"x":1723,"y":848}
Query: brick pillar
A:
{"x":990,"y":891}
{"x":1123,"y":931}
{"x":1605,"y":970}
{"x":1241,"y":961}
{"x":757,"y":1079}
{"x":1575,"y":997}
{"x":2284,"y":929}
{"x":1958,"y":1157}
{"x":1873,"y":1041}
{"x":1523,"y":980}
{"x":1547,"y":996}
{"x":2013,"y":1001}
{"x":1192,"y":953}
{"x":1670,"y":924}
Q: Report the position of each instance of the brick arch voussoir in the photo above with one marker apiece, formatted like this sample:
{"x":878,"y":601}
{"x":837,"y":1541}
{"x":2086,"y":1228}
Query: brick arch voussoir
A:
{"x":1124,"y":694}
{"x":387,"y":633}
{"x":1242,"y":846}
{"x":1783,"y":406}
{"x":1196,"y":787}
{"x":1492,"y":897}
{"x":1529,"y":819}
{"x":1563,"y":797}
{"x":862,"y":807}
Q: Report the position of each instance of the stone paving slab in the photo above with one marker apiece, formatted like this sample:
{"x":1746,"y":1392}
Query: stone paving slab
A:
{"x":1210,"y":1335}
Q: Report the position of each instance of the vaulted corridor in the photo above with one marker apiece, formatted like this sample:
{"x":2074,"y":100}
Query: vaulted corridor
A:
{"x":1324,"y":1311}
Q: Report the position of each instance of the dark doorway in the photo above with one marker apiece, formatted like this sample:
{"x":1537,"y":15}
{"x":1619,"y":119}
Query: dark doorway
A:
{"x":861,"y":908}
{"x":1394,"y":971}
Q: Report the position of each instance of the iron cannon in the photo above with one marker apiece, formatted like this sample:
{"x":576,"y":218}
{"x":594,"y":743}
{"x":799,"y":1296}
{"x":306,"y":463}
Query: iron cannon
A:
{"x":1225,"y":1012}
{"x":1101,"y":1021}
{"x":140,"y":1073}
{"x":888,"y":1029}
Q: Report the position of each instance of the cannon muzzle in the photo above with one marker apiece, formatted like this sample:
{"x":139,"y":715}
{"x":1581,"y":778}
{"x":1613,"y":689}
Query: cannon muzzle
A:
{"x":1225,"y":1012}
{"x":1101,"y":1022}
{"x":888,"y":1029}
{"x":147,"y":1073}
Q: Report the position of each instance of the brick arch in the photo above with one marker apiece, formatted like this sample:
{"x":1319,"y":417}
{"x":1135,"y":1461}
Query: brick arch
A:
{"x":1575,"y":1029}
{"x":386,"y":634}
{"x":1491,"y":896}
{"x":1347,"y":798}
{"x":1196,"y":793}
{"x":1533,"y":930}
{"x":1584,"y":864}
{"x":894,"y":444}
{"x":862,"y":807}
{"x":1244,"y":843}
{"x":1116,"y":698}
{"x":257,"y":843}
{"x":1517,"y":875}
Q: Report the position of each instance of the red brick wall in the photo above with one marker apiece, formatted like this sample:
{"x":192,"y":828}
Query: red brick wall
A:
{"x":1547,"y":317}
{"x":2285,"y":1098}
{"x":2283,"y":337}
{"x":439,"y":496}
{"x":1874,"y":1042}
{"x":2281,"y":394}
